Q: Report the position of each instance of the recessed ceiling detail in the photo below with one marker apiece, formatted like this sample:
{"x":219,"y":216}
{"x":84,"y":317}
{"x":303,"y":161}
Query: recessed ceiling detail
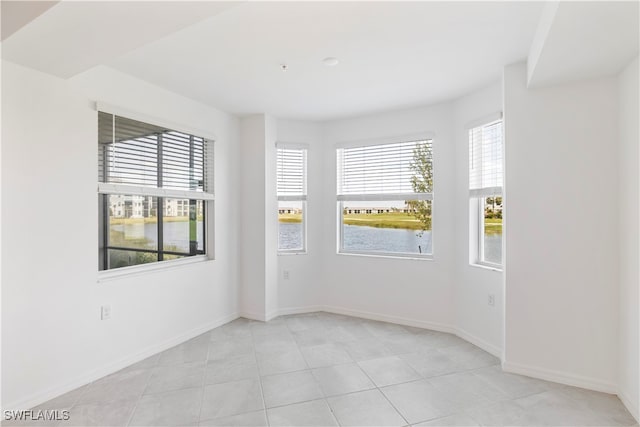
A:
{"x":330,"y":61}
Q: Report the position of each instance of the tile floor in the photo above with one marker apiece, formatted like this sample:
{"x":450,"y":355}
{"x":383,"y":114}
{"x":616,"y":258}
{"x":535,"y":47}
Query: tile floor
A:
{"x":323,"y":369}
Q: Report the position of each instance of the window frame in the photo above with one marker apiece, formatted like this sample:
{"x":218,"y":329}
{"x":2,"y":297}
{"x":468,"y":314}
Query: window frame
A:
{"x":370,"y":197}
{"x":294,"y":198}
{"x":105,"y":189}
{"x":477,"y":198}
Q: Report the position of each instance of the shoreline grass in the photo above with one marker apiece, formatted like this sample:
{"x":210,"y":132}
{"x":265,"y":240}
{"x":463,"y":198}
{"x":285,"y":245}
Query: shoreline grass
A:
{"x":397,"y":220}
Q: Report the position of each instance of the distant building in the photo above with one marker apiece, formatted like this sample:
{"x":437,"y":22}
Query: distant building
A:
{"x":282,"y":211}
{"x":146,"y":206}
{"x":348,"y":210}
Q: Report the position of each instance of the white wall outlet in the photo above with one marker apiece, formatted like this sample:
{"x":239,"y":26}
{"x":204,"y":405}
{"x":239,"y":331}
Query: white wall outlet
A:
{"x":105,"y":312}
{"x":491,"y":300}
{"x":285,"y":274}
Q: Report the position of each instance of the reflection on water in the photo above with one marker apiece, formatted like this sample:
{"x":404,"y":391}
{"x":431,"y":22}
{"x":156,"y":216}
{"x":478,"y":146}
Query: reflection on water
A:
{"x":175,"y":234}
{"x":361,"y":238}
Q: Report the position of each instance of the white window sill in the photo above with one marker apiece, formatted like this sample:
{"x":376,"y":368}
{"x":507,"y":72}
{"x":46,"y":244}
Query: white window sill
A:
{"x":388,"y":255}
{"x":137,"y":270}
{"x":286,"y":253}
{"x":487,"y":267}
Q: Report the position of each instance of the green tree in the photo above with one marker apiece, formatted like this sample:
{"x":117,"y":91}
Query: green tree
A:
{"x":422,"y":182}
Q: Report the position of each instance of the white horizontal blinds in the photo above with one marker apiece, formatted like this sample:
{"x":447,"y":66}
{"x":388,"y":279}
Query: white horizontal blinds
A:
{"x":378,"y":172}
{"x":129,"y":151}
{"x":485,"y":159}
{"x":183,"y":161}
{"x":136,"y":157}
{"x":291,"y":173}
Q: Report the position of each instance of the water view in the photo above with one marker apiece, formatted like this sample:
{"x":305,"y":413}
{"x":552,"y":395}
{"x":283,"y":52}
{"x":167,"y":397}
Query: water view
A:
{"x":175,"y":234}
{"x":364,"y":238}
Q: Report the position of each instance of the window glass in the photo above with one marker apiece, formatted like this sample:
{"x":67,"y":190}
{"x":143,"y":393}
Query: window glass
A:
{"x":385,"y":198}
{"x":154,"y":184}
{"x":385,"y":226}
{"x":492,"y":236}
{"x":292,"y":196}
{"x":485,"y":192}
{"x":183,"y":226}
{"x":291,"y":225}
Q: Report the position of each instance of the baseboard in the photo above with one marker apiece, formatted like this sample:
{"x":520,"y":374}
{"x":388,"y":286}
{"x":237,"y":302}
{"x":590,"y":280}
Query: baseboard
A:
{"x":434,"y":326}
{"x":632,"y":406}
{"x":398,"y":320}
{"x":300,"y":310}
{"x":252,"y":316}
{"x":489,"y":348}
{"x":41,"y":397}
{"x":560,"y":377}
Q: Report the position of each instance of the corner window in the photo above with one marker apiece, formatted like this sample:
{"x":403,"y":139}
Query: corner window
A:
{"x":485,"y":194}
{"x":385,"y":199}
{"x":292,"y":198}
{"x":154,"y":192}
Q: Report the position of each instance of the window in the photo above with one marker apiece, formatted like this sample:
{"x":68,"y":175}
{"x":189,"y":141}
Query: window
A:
{"x":292,"y":198}
{"x":385,"y":195}
{"x":485,"y":194}
{"x":154,"y":191}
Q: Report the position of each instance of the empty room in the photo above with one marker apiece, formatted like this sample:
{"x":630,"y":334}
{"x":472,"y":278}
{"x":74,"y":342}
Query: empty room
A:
{"x":320,"y":213}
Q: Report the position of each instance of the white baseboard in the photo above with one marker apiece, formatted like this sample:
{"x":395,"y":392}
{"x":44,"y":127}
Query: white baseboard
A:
{"x":300,"y":310}
{"x":496,"y":351}
{"x":560,"y":377}
{"x":36,"y":399}
{"x":434,"y":326}
{"x":632,"y":406}
{"x":489,"y":348}
{"x":252,"y":316}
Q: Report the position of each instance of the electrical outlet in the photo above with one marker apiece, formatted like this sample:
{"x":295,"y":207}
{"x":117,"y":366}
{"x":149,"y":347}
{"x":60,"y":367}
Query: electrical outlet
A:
{"x":285,"y":274}
{"x":491,"y":300}
{"x":105,"y":312}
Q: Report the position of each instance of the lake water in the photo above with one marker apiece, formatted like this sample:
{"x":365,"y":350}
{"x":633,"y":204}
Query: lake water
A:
{"x":362,"y":238}
{"x":174,"y":233}
{"x":356,"y":238}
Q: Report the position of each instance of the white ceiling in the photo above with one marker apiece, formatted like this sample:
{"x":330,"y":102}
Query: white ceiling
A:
{"x":17,"y":14}
{"x":583,"y":40}
{"x":392,"y":55}
{"x":73,"y":36}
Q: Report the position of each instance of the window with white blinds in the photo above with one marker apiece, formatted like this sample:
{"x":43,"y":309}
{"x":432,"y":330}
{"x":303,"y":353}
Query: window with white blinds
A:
{"x":485,"y":194}
{"x":291,"y":179}
{"x":384,"y":195}
{"x":137,"y":156}
{"x":291,"y":173}
{"x":381,"y":172}
{"x":155,"y":185}
{"x":485,"y":159}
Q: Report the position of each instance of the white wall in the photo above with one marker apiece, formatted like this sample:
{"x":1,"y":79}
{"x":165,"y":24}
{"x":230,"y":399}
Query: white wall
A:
{"x":629,"y":215}
{"x":52,"y":336}
{"x":304,"y":290}
{"x":561,"y":230}
{"x":258,"y":233}
{"x":474,"y":317}
{"x":404,"y":290}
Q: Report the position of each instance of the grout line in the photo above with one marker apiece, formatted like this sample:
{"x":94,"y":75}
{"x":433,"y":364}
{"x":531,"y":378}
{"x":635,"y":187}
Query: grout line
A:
{"x":384,"y":395}
{"x":310,"y":370}
{"x":140,"y":397}
{"x":204,"y":375}
{"x":326,"y":326}
{"x":255,"y":358}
